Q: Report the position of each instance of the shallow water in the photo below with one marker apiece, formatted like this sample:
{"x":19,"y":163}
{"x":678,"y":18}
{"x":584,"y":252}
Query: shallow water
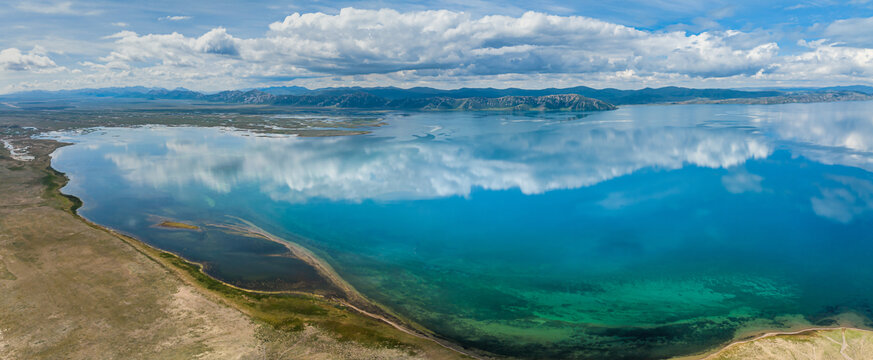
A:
{"x":645,"y":232}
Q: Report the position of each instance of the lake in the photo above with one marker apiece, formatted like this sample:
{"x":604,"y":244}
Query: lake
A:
{"x":645,"y":232}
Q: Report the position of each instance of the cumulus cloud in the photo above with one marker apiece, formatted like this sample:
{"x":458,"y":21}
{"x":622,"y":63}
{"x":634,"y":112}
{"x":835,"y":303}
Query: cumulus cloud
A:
{"x":364,"y":41}
{"x":824,"y":59}
{"x":358,"y":42}
{"x":173,"y":49}
{"x":217,"y":41}
{"x":389,"y":47}
{"x":12,"y":59}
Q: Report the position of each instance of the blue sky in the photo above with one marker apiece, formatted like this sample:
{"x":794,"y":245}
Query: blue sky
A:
{"x":206,"y":45}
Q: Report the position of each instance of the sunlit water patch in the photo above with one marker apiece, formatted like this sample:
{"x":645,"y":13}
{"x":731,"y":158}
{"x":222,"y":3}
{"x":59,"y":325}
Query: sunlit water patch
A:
{"x":645,"y":232}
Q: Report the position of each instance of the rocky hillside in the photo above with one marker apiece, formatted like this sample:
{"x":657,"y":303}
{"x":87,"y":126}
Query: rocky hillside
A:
{"x":424,"y":98}
{"x":364,"y":100}
{"x":567,"y":102}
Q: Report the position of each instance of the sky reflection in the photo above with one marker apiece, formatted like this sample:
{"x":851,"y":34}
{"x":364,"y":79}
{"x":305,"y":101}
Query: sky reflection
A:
{"x":427,"y":155}
{"x":508,"y":225}
{"x":533,"y":160}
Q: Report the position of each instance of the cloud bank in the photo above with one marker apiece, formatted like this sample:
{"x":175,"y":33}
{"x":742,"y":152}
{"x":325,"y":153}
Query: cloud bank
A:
{"x":447,"y":48}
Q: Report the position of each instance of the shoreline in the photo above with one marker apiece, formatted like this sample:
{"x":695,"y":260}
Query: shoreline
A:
{"x":398,"y":323}
{"x":325,"y":270}
{"x":301,"y":253}
{"x":143,"y":248}
{"x":353,"y":295}
{"x":766,"y":335}
{"x":192,"y":273}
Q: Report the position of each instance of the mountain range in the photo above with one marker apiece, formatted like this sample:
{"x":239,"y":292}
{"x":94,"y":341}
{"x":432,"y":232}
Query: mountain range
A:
{"x":579,"y":98}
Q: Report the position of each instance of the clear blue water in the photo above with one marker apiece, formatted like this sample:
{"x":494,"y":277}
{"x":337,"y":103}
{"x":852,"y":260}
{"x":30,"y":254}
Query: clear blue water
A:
{"x":645,"y":232}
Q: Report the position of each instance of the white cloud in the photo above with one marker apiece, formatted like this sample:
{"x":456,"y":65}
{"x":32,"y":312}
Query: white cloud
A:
{"x":432,"y":44}
{"x":173,"y":18}
{"x":173,"y":49}
{"x":855,"y":31}
{"x":450,"y":49}
{"x":824,"y":59}
{"x":368,"y":41}
{"x":120,"y":24}
{"x":13,"y":59}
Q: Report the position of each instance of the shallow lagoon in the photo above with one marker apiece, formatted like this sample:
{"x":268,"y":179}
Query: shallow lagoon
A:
{"x":645,"y":232}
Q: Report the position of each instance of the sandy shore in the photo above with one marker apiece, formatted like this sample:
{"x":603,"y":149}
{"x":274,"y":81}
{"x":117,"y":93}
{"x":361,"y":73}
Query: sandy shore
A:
{"x":846,"y":343}
{"x":354,"y":299}
{"x":730,"y":350}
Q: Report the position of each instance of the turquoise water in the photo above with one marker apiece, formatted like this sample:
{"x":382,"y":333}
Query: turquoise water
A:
{"x":646,"y":232}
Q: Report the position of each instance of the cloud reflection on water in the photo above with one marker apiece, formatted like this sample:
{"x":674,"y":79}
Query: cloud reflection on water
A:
{"x":832,"y":134}
{"x":843,"y":203}
{"x":383,"y":168}
{"x":428,"y":156}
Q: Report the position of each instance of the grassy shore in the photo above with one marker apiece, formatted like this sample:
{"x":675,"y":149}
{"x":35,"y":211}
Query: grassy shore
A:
{"x":73,"y":289}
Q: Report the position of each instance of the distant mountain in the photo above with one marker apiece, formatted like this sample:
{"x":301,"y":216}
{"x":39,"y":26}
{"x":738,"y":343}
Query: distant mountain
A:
{"x":614,"y":96}
{"x":792,"y":98}
{"x":364,"y":100}
{"x":486,"y":98}
{"x":286,"y":90}
{"x":177,"y":94}
{"x":566,"y":102}
{"x":854,"y":88}
{"x":580,"y":97}
{"x":110,"y":92}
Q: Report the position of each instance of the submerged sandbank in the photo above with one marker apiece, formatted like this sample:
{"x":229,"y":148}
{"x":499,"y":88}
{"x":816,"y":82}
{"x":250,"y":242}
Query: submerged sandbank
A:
{"x":352,"y":298}
{"x":177,"y":225}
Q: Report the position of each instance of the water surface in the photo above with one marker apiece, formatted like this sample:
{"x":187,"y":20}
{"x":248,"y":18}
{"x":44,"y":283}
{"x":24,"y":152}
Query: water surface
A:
{"x":645,"y":232}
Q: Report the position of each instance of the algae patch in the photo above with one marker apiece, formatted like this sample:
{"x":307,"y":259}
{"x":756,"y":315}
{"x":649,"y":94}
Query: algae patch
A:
{"x":177,"y":225}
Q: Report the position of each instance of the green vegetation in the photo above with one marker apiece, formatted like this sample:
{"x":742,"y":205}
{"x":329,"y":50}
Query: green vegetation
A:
{"x":53,"y":181}
{"x":258,"y":119}
{"x":178,"y":225}
{"x":290,"y":312}
{"x":5,"y":274}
